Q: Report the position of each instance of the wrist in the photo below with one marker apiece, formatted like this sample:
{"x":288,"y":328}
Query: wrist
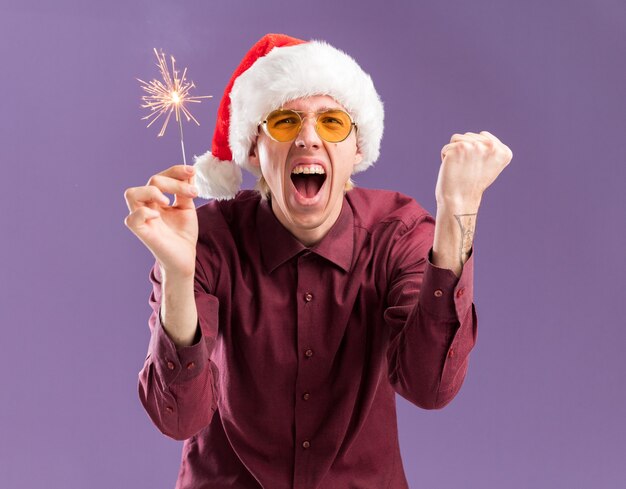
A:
{"x":458,"y":205}
{"x":174,"y":276}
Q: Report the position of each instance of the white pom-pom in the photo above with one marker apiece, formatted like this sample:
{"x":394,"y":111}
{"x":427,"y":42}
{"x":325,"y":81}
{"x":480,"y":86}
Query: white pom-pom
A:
{"x":216,"y":179}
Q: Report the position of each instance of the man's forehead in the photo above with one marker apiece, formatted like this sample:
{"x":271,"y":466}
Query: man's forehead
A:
{"x":314,"y":102}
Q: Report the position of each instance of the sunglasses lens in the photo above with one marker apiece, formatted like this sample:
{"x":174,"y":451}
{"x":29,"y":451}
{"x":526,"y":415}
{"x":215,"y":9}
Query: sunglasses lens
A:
{"x":334,"y":125}
{"x":283,"y":125}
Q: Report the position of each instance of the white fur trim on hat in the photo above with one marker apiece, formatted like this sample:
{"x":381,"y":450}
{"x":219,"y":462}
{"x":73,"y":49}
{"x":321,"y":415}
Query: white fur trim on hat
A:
{"x":216,"y":179}
{"x":291,"y":72}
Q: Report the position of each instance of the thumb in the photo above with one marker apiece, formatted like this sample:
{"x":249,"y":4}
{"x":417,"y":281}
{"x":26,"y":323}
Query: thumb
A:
{"x":185,"y":200}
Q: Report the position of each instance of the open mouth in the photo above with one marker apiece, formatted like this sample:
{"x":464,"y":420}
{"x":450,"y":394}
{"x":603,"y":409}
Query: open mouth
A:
{"x":308,"y":181}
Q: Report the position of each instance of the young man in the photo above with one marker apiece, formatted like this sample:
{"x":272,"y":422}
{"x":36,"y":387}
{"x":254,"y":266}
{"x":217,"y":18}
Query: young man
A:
{"x":285,"y":320}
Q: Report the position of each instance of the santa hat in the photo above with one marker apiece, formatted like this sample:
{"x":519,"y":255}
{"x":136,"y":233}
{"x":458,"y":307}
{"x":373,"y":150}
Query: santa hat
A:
{"x":276,"y":70}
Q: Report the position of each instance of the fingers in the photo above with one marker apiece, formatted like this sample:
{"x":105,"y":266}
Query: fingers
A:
{"x":461,"y":144}
{"x":466,"y":142}
{"x":489,"y":135}
{"x":498,"y":145}
{"x":444,"y":150}
{"x":176,"y":180}
{"x":179,"y":181}
{"x":173,"y":186}
{"x":178,"y":172}
{"x":136,"y":219}
{"x":469,"y":139}
{"x":137,"y":197}
{"x":483,"y":137}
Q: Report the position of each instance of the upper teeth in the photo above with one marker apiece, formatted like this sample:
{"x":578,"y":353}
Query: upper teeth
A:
{"x":319,"y":169}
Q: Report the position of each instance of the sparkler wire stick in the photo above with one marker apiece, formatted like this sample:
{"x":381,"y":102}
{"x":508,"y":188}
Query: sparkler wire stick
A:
{"x":182,"y":141}
{"x":169,"y":95}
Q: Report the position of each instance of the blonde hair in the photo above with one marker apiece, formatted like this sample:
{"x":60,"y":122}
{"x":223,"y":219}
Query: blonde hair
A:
{"x":264,"y":189}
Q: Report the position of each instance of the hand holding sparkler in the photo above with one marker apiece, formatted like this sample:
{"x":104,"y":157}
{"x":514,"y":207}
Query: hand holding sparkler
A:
{"x":169,"y":232}
{"x":169,"y":95}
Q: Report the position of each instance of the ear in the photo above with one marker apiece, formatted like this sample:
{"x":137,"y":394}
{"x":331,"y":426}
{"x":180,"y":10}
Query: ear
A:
{"x":358,"y":157}
{"x":253,"y":154}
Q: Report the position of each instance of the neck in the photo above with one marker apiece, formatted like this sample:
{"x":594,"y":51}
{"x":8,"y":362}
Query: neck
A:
{"x":308,"y":236}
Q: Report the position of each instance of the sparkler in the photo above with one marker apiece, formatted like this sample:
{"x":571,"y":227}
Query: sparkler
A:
{"x":169,"y":96}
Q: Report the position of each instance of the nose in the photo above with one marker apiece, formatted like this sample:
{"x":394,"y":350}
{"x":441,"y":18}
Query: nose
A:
{"x":308,"y":137}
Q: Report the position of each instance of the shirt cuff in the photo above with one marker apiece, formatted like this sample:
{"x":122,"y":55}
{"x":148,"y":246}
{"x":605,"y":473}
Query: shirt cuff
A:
{"x":177,"y":364}
{"x":443,"y":294}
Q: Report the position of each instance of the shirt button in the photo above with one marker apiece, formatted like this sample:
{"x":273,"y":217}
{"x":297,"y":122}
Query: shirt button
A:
{"x":306,"y":396}
{"x":460,"y":292}
{"x":171,"y":365}
{"x":169,"y":409}
{"x":308,"y":297}
{"x":309,"y":353}
{"x":438,"y":293}
{"x":191,"y":365}
{"x":306,"y":444}
{"x":451,"y":352}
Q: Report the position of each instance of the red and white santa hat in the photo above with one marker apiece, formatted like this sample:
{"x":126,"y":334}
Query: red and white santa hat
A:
{"x":276,"y":70}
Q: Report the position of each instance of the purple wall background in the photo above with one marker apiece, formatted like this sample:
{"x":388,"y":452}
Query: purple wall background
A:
{"x":544,"y":401}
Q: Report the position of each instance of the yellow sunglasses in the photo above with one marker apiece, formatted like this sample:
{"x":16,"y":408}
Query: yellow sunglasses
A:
{"x":332,"y":125}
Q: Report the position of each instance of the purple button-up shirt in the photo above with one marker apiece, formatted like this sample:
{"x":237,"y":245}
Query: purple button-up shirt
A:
{"x":300,"y":351}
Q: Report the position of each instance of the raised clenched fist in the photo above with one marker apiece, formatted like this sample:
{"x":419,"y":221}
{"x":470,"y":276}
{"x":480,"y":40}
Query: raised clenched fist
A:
{"x":469,"y":164}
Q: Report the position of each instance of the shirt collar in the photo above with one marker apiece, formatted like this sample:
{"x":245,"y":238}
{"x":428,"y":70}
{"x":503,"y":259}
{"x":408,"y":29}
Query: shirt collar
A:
{"x":278,"y":245}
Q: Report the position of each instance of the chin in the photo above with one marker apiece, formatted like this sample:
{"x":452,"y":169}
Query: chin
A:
{"x":308,"y":220}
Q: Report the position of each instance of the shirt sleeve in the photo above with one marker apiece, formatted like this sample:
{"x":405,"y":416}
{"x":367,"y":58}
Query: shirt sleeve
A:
{"x":177,"y":385}
{"x":432,"y":318}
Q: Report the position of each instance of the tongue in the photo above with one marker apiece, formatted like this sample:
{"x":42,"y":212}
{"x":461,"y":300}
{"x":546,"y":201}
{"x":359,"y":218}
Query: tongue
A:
{"x":308,"y":185}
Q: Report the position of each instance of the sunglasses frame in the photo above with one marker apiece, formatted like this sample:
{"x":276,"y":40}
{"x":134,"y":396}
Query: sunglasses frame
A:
{"x":300,"y":113}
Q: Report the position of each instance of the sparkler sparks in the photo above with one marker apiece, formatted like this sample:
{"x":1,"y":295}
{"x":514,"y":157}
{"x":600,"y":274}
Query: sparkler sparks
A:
{"x":169,"y":96}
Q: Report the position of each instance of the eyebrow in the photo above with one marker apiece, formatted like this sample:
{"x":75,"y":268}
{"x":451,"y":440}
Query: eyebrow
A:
{"x":321,"y":109}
